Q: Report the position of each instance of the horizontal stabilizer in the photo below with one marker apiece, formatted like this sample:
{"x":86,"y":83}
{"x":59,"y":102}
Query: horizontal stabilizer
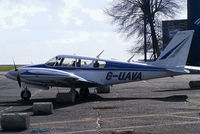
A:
{"x":193,"y":69}
{"x":176,"y":70}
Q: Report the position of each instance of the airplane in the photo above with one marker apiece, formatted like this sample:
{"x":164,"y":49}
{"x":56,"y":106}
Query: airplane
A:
{"x":85,"y":72}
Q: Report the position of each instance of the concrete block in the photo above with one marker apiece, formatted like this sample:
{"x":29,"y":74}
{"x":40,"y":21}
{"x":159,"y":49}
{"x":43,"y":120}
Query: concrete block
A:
{"x":15,"y":121}
{"x":194,"y":84}
{"x":42,"y":108}
{"x":127,"y":131}
{"x":66,"y":97}
{"x":103,"y":89}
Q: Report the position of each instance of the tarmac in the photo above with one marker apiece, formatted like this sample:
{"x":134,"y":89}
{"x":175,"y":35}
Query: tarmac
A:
{"x":158,"y":106}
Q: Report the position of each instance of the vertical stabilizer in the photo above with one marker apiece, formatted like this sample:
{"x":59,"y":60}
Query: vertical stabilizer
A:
{"x":176,"y":53}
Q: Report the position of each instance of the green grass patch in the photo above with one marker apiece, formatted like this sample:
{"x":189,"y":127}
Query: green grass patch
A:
{"x":8,"y":67}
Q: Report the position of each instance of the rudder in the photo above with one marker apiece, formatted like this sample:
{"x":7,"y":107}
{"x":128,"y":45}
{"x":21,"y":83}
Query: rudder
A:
{"x":176,"y":52}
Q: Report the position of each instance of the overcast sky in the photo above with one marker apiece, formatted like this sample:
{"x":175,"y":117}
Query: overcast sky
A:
{"x":32,"y":31}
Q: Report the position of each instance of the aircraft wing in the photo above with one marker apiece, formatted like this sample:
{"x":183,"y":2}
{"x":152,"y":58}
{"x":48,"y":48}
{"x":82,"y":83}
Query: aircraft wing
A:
{"x":53,"y":77}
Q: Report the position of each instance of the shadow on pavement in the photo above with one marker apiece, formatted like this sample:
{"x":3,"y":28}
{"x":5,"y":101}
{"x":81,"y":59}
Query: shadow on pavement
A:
{"x":91,"y":98}
{"x":9,"y":131}
{"x":175,"y":90}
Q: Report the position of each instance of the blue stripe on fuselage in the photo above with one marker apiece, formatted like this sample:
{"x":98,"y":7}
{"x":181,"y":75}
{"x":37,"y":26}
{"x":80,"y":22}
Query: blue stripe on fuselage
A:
{"x":109,"y":66}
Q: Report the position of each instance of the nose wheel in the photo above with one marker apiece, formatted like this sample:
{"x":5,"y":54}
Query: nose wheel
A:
{"x":25,"y":94}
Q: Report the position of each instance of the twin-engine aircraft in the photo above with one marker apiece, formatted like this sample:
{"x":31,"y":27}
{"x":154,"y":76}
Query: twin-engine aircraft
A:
{"x":84,"y":72}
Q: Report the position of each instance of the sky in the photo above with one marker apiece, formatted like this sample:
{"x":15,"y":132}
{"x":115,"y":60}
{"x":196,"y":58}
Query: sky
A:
{"x":33,"y":31}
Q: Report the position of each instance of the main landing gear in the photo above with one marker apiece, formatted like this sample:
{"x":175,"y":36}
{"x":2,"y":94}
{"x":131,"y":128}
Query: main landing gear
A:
{"x":84,"y":92}
{"x":25,"y":94}
{"x":72,"y":96}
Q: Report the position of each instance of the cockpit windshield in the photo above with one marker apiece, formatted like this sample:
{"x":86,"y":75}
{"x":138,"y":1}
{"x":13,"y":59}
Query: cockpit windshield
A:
{"x":58,"y":61}
{"x":51,"y":62}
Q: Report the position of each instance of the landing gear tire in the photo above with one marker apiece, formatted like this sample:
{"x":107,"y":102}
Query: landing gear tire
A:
{"x":26,"y":94}
{"x":84,"y":92}
{"x":77,"y":94}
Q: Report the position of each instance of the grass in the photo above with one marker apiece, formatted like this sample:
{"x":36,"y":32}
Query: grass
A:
{"x":8,"y":67}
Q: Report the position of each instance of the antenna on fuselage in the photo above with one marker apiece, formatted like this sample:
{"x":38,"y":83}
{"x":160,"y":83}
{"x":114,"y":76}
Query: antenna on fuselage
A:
{"x":129,"y":60}
{"x":100,"y":54}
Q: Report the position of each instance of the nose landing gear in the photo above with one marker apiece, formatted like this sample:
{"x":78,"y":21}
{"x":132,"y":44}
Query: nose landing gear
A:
{"x":25,"y":94}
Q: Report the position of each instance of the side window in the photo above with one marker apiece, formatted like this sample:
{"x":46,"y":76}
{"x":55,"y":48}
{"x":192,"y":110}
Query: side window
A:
{"x":96,"y":64}
{"x":68,"y":62}
{"x":78,"y":63}
{"x":102,"y":64}
{"x":86,"y":63}
{"x":99,"y":64}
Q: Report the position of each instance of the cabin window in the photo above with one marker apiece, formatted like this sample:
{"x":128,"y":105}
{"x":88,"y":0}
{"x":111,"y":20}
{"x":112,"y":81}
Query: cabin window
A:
{"x":96,"y":64}
{"x":102,"y":64}
{"x":99,"y":64}
{"x":68,"y":62}
{"x":86,"y":63}
{"x":73,"y":62}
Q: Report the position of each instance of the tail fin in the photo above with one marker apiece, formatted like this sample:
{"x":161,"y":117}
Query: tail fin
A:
{"x":176,"y":53}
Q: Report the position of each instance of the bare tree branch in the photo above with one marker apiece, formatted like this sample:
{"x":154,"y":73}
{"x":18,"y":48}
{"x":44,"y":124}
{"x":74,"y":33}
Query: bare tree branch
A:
{"x":129,"y":16}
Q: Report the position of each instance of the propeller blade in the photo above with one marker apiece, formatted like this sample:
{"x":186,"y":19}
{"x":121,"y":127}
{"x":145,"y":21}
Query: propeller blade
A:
{"x":19,"y":80}
{"x":14,"y":65}
{"x":18,"y":75}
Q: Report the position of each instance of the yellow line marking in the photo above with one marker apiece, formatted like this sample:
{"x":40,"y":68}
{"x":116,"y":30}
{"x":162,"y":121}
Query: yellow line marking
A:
{"x":62,"y":122}
{"x":186,"y":117}
{"x":150,"y":115}
{"x":113,"y":118}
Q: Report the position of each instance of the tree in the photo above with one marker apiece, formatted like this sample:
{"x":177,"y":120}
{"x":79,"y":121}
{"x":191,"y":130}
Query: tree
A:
{"x":134,"y":16}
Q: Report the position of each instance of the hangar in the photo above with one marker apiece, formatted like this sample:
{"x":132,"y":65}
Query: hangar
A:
{"x":170,"y":27}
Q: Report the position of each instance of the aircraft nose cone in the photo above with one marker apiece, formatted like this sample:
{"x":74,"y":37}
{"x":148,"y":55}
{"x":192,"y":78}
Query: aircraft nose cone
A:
{"x":11,"y":75}
{"x":7,"y":74}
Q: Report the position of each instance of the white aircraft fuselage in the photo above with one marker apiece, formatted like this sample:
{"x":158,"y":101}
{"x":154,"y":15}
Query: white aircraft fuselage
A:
{"x":112,"y":73}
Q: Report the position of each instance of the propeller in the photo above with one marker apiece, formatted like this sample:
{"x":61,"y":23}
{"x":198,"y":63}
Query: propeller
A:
{"x":15,"y":66}
{"x":18,"y":75}
{"x":19,"y":80}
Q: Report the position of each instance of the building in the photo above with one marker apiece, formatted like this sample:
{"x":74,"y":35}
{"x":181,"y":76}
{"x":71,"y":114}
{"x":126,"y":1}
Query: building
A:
{"x":194,"y":24}
{"x":170,"y":27}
